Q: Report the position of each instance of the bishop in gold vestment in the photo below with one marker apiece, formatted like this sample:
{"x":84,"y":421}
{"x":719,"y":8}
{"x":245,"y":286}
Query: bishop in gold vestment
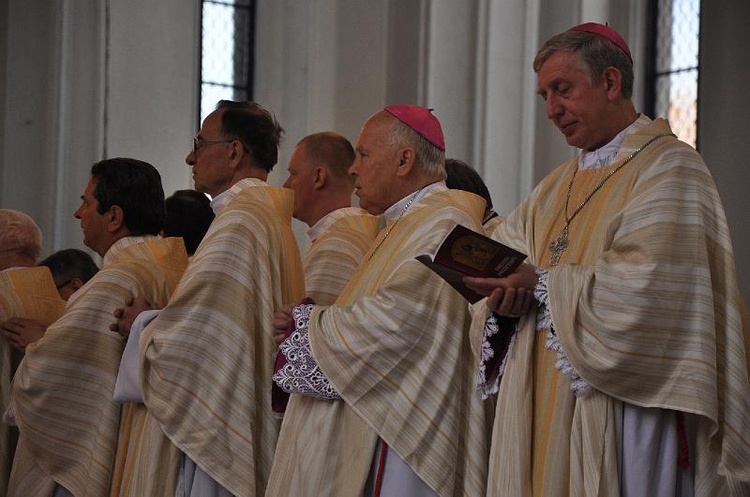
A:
{"x":632,"y":378}
{"x":384,"y":369}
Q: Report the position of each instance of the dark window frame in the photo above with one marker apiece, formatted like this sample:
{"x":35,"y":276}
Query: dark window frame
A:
{"x":250,"y":7}
{"x":652,"y":74}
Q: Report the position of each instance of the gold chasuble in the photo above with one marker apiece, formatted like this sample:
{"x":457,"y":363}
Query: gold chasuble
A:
{"x":62,"y":391}
{"x":395,"y":345}
{"x":25,"y":293}
{"x":646,"y":307}
{"x":207,"y":359}
{"x":329,"y":264}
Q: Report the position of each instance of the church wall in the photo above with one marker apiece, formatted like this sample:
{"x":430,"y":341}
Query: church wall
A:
{"x":86,"y":80}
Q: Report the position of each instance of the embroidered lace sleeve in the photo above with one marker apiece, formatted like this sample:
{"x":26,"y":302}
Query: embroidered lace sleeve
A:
{"x":301,"y":374}
{"x":544,"y":322}
{"x":543,"y":316}
{"x":499,"y":334}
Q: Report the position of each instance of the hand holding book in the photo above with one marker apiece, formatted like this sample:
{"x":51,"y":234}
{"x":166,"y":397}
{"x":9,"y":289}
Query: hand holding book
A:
{"x":511,"y":296}
{"x":464,"y":252}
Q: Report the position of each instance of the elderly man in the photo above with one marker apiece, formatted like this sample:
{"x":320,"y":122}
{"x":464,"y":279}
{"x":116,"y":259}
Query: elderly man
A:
{"x":390,"y":409}
{"x":20,"y":240}
{"x":631,"y":378}
{"x":27,"y":294}
{"x":62,"y":391}
{"x":340,"y":234}
{"x":202,"y":366}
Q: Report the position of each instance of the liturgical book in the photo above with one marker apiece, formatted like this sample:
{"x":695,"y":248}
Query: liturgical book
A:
{"x":465,"y":252}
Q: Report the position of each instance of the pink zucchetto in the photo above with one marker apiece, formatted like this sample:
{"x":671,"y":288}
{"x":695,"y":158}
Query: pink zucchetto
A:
{"x":605,"y":32}
{"x":421,"y":120}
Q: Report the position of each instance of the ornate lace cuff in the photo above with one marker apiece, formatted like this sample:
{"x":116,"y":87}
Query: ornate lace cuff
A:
{"x":301,"y":374}
{"x":578,"y":385}
{"x":499,"y":335}
{"x":544,"y":322}
{"x":543,"y":315}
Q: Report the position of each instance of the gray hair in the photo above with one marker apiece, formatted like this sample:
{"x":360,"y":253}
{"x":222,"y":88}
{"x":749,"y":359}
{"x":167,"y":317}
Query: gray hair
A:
{"x":595,"y":53}
{"x":430,"y":158}
{"x":19,"y":233}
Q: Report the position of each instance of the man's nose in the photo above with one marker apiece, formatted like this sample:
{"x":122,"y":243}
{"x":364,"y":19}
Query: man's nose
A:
{"x":554,"y":108}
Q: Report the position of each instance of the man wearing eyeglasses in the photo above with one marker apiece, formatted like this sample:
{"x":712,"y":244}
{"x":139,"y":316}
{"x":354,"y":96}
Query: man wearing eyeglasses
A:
{"x":202,"y":365}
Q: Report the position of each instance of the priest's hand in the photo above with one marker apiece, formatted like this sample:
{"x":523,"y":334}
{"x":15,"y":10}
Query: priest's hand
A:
{"x":126,"y":315}
{"x":20,"y":332}
{"x":282,"y":320}
{"x":511,"y":296}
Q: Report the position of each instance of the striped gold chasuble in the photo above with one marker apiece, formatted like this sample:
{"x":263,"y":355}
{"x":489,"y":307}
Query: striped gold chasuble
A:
{"x":333,"y":256}
{"x":646,"y":306}
{"x":207,"y":359}
{"x":27,"y":293}
{"x":62,"y":391}
{"x":395,"y":345}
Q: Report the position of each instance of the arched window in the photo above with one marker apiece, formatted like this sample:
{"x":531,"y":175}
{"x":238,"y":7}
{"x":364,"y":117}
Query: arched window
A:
{"x":227,"y":52}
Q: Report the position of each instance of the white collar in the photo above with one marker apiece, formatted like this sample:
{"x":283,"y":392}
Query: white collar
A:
{"x":397,"y":209}
{"x":218,"y":201}
{"x":604,"y":155}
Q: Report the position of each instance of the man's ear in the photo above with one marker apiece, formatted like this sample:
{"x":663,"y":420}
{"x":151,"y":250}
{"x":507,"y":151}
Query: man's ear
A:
{"x":76,"y":283}
{"x":613,"y":80}
{"x":320,"y":177}
{"x":406,"y":161}
{"x":116,"y":219}
{"x":236,"y":153}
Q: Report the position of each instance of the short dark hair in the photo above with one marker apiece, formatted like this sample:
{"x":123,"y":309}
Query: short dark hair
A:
{"x":595,"y":53}
{"x":462,"y":176}
{"x":189,"y":215}
{"x":255,"y":127}
{"x":71,"y":263}
{"x":134,"y":186}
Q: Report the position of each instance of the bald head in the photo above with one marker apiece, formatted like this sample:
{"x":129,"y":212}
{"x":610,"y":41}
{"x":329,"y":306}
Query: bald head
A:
{"x":20,"y":240}
{"x":334,"y":152}
{"x":319,"y":175}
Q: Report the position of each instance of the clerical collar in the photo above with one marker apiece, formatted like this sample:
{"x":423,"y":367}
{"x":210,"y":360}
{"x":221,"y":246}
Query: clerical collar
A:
{"x":323,"y":223}
{"x":224,"y":197}
{"x":218,"y":201}
{"x":603,"y":156}
{"x":396,"y":209}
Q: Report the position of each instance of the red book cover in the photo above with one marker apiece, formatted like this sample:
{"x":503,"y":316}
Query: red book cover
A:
{"x":464,"y":252}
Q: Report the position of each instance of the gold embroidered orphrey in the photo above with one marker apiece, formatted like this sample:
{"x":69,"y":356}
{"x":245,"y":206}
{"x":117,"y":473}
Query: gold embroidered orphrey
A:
{"x":561,"y":243}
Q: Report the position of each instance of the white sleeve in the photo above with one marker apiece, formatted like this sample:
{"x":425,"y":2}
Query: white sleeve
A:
{"x":128,"y":384}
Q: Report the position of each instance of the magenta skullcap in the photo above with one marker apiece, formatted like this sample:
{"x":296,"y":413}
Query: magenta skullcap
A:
{"x":605,"y":32}
{"x":421,"y":120}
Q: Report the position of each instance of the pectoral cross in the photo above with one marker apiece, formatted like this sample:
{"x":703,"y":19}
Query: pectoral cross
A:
{"x":558,"y":247}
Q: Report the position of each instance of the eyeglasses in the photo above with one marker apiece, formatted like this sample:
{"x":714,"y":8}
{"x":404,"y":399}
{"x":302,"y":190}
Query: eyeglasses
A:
{"x":198,"y":143}
{"x":65,"y":283}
